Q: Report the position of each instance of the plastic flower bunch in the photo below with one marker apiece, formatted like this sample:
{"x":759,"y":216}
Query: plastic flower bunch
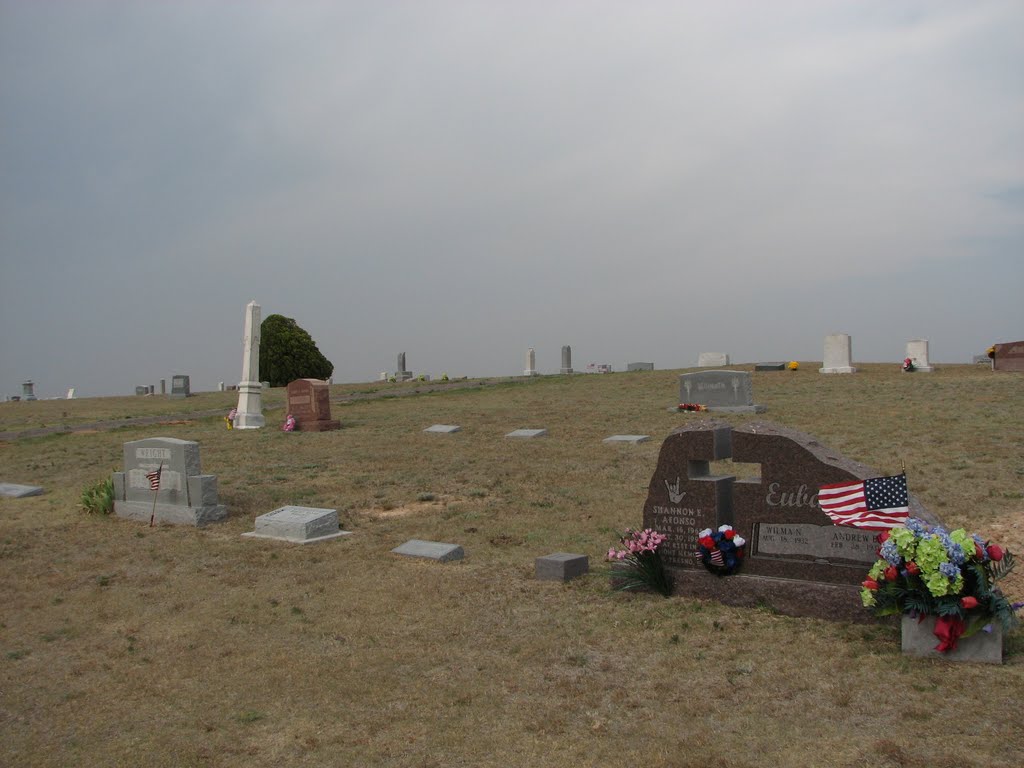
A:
{"x":721,"y":551}
{"x":793,"y":365}
{"x":641,"y":566}
{"x":637,"y":542}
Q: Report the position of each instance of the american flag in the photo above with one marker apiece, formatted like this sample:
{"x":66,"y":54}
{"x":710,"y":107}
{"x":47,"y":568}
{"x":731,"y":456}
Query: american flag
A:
{"x":875,"y":504}
{"x":154,"y":479}
{"x":716,"y":557}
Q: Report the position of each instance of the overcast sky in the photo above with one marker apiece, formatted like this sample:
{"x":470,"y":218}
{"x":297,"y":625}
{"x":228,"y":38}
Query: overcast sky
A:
{"x":460,"y":181}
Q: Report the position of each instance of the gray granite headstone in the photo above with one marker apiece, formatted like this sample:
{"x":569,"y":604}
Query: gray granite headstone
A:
{"x":527,"y":433}
{"x":16,"y":491}
{"x":632,"y":439}
{"x":299,"y":525}
{"x":180,"y":386}
{"x":185,"y":496}
{"x":639,"y":366}
{"x":432,"y":550}
{"x":561,"y":566}
{"x":445,"y":429}
{"x":722,"y":391}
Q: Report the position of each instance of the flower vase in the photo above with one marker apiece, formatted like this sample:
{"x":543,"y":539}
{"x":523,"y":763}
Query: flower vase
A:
{"x":919,"y":640}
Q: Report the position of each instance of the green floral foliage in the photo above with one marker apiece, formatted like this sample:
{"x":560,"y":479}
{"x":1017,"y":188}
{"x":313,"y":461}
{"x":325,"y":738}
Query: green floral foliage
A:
{"x":287,"y":352}
{"x":98,"y":499}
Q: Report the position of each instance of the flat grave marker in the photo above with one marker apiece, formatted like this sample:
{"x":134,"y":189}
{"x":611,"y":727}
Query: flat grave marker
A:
{"x":431,"y":550}
{"x":526,"y":434}
{"x":444,"y":429}
{"x":631,"y":439}
{"x":561,"y":566}
{"x":299,"y":525}
{"x":17,"y":491}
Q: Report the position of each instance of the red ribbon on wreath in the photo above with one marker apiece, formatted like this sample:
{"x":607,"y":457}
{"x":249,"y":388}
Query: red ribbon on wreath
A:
{"x":948,"y":629}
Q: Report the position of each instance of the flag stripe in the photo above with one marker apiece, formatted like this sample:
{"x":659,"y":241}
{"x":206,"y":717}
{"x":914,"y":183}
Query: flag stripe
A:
{"x":875,"y":504}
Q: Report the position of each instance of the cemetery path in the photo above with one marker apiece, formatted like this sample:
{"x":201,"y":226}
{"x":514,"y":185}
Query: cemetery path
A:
{"x":99,"y":426}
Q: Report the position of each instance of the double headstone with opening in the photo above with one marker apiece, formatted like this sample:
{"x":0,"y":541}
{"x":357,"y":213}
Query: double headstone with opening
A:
{"x":309,"y":401}
{"x":185,"y":495}
{"x":796,"y":561}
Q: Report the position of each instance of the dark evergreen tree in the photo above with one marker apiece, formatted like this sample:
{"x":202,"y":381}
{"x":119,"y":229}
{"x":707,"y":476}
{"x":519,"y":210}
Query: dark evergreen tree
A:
{"x":287,"y":352}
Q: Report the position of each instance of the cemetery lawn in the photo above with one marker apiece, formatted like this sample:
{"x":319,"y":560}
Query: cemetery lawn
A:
{"x":126,"y":645}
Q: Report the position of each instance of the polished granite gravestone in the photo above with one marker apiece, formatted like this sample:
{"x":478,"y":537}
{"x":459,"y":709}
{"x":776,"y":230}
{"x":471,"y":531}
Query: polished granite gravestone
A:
{"x":185,"y":496}
{"x":309,"y":402}
{"x":724,"y":391}
{"x":796,"y":561}
{"x":299,"y":525}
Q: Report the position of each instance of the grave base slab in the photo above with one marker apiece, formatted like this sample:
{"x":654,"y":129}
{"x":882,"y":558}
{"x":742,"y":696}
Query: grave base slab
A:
{"x":172,"y":514}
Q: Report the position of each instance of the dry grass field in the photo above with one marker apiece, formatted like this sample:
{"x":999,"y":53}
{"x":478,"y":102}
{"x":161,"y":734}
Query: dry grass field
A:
{"x":124,"y":645}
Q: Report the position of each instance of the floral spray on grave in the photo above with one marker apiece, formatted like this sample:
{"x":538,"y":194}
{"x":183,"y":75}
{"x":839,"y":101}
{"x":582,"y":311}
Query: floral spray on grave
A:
{"x":638,"y":564}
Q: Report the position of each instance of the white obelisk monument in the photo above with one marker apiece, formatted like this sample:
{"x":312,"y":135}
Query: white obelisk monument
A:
{"x":249,"y":414}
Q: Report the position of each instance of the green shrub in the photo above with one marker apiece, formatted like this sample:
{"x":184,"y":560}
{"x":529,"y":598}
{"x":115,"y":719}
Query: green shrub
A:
{"x":99,"y":499}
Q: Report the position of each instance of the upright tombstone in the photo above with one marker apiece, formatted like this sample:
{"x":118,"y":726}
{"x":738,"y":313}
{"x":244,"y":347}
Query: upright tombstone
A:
{"x":249,"y":411}
{"x":142,"y":390}
{"x":838,"y":354}
{"x":402,"y":374}
{"x":566,"y":359}
{"x":531,"y":363}
{"x":722,"y":391}
{"x":163,"y":386}
{"x":185,"y":495}
{"x":639,"y":366}
{"x":220,"y":386}
{"x":1009,"y":357}
{"x":71,"y":394}
{"x":917,"y":351}
{"x":712,"y":359}
{"x":309,"y":402}
{"x":26,"y":390}
{"x":180,"y":386}
{"x":796,"y":561}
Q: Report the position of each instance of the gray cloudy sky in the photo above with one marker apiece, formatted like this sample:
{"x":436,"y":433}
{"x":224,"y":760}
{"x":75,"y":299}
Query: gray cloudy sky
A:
{"x":463,"y":180}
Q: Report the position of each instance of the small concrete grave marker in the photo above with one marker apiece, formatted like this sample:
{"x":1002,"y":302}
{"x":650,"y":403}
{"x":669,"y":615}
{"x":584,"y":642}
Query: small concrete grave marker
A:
{"x":631,"y":439}
{"x":16,"y":491}
{"x":561,"y":566}
{"x":527,"y":433}
{"x":432,"y":550}
{"x":185,"y":495}
{"x":299,"y":525}
{"x":724,"y":391}
{"x":445,"y":429}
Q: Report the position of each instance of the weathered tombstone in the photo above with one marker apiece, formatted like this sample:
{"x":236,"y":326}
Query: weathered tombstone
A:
{"x":265,"y":385}
{"x":917,"y":351}
{"x":152,"y":389}
{"x":712,"y":359}
{"x":71,"y":394}
{"x":163,"y":386}
{"x":26,"y":390}
{"x":432,"y":550}
{"x":180,"y":386}
{"x":566,"y":359}
{"x":17,"y":491}
{"x":1009,"y":357}
{"x":639,"y":366}
{"x":402,"y":374}
{"x":309,"y":401}
{"x":299,"y":525}
{"x":838,"y":354}
{"x":723,"y":391}
{"x":531,"y":363}
{"x":185,"y":496}
{"x":142,"y":390}
{"x":249,"y":411}
{"x":526,"y":434}
{"x":769,"y":366}
{"x":797,"y":561}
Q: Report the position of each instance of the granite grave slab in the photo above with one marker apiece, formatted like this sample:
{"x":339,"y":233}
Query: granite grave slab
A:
{"x":769,"y":366}
{"x":299,"y":525}
{"x":561,"y":566}
{"x":18,"y":491}
{"x":631,"y":439}
{"x":444,"y":429}
{"x":432,"y":550}
{"x":527,"y":434}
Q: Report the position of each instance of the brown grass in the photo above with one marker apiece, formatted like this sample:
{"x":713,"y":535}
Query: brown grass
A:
{"x":125,"y":645}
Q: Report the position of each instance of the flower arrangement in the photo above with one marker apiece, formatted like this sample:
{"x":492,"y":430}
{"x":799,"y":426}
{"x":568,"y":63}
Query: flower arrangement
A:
{"x":289,"y":424}
{"x":692,"y":407}
{"x":641,"y":562}
{"x":908,"y":365}
{"x":720,"y":551}
{"x":925,"y":570}
{"x":991,"y":352}
{"x":793,"y":365}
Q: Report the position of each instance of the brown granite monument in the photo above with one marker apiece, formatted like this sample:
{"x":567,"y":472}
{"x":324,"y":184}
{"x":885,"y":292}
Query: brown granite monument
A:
{"x":1009,"y":357}
{"x":797,"y":562}
{"x":309,"y":402}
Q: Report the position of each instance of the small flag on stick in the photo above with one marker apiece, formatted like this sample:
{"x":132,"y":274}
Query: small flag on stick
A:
{"x":876,"y":504}
{"x":154,"y":485}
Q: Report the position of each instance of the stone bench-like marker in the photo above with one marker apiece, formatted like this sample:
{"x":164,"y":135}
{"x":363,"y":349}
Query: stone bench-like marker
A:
{"x":299,"y":525}
{"x":631,"y":439}
{"x":432,"y":550}
{"x":444,"y":429}
{"x":527,"y":433}
{"x":769,"y":366}
{"x":16,"y":491}
{"x":561,"y":566}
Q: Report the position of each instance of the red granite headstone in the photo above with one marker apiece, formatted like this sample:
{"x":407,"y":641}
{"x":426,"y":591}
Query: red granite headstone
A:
{"x":1009,"y":357}
{"x":309,"y":402}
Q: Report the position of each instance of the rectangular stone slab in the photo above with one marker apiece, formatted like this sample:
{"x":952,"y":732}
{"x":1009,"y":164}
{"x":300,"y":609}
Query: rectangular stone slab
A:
{"x":769,"y":366}
{"x":445,"y":429}
{"x":432,"y":550}
{"x":300,"y":525}
{"x":561,"y":566}
{"x":527,"y":433}
{"x":19,"y":491}
{"x":632,"y":439}
{"x":918,"y":639}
